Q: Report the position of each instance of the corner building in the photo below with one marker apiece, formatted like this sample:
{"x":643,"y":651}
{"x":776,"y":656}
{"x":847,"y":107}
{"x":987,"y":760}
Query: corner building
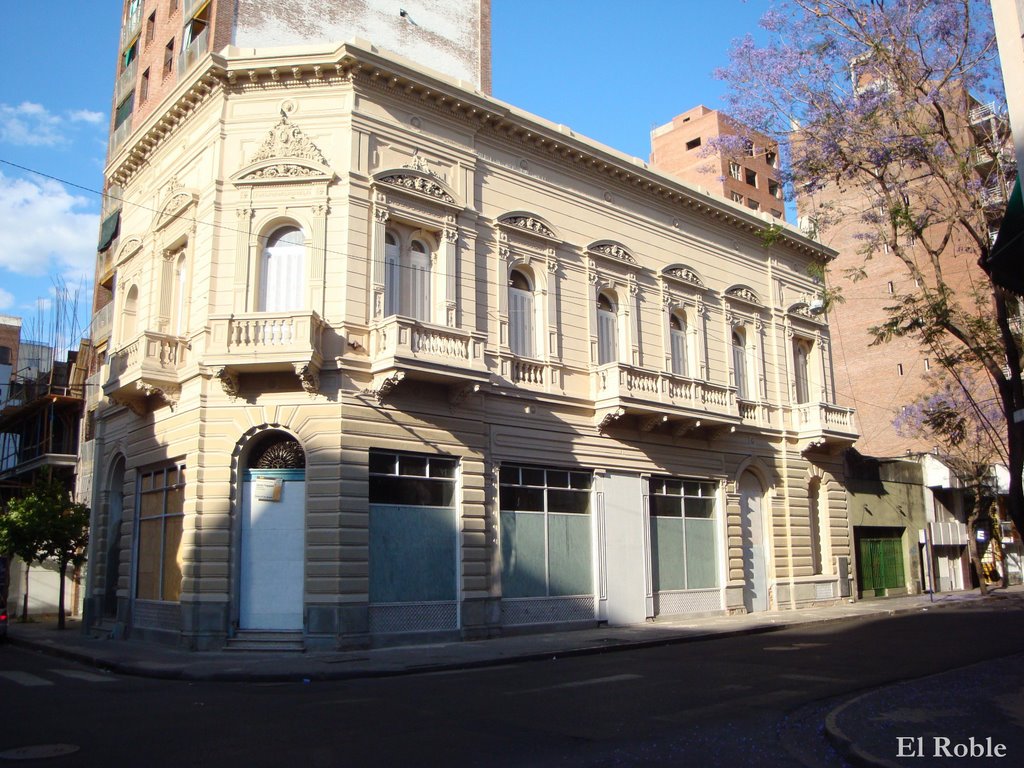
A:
{"x":391,"y":360}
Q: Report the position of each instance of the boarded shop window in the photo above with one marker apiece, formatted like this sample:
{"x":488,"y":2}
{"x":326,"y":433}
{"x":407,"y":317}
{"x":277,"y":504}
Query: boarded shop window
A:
{"x":683,"y":552}
{"x":545,"y":532}
{"x":161,"y":513}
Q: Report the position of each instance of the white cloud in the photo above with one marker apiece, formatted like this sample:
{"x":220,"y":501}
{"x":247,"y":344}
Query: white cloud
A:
{"x":29,"y":124}
{"x":46,"y":229}
{"x":6,"y":299}
{"x":86,"y":116}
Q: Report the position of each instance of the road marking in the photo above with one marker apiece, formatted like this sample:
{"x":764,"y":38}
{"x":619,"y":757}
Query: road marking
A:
{"x":578,"y":684}
{"x":89,"y":677}
{"x":25,"y":678}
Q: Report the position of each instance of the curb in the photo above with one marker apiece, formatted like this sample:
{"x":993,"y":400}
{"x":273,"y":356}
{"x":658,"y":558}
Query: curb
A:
{"x":182,"y":671}
{"x":846,"y":746}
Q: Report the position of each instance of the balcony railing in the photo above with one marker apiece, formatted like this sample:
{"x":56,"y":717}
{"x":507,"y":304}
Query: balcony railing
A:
{"x":823,"y":422}
{"x":195,"y":50}
{"x":132,"y":24}
{"x":993,"y":195}
{"x":120,"y":133}
{"x":149,"y":364}
{"x":102,"y":323}
{"x":981,"y":113}
{"x":618,"y":384}
{"x":427,"y":351}
{"x":267,"y":340}
{"x":125,"y":81}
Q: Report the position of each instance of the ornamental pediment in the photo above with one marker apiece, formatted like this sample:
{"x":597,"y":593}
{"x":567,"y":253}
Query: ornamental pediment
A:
{"x":176,"y":201}
{"x":744,"y":293}
{"x":806,"y":311}
{"x":286,"y":155}
{"x":422,"y":183}
{"x":609,"y":249}
{"x":129,"y":247}
{"x":529,"y":223}
{"x":683,"y":273}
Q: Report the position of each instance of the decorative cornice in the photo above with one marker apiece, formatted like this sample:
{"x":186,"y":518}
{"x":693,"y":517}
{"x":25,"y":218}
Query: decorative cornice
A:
{"x":532,"y":224}
{"x":288,"y":140}
{"x":129,"y":248}
{"x":418,"y":182}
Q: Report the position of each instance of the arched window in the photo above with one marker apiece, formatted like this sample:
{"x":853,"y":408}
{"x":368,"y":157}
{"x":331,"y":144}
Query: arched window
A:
{"x":520,"y":315}
{"x":418,"y":297}
{"x":801,"y":362}
{"x":607,"y":330}
{"x":677,"y":343}
{"x":739,"y":365}
{"x":282,"y":277}
{"x":392,"y":274}
{"x":131,"y":309}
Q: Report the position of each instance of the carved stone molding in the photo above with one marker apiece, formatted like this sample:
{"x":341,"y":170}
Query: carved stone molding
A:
{"x":528,"y":223}
{"x":382,"y":388}
{"x":610,"y":418}
{"x":309,"y":377}
{"x":286,"y":154}
{"x":288,"y":140}
{"x":420,"y":183}
{"x":744,"y":293}
{"x":684,"y":273}
{"x":381,"y":215}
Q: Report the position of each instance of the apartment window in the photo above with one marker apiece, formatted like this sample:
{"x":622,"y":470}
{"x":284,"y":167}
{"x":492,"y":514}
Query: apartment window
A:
{"x":739,"y":365}
{"x":5,"y":355}
{"x":407,"y":274}
{"x":801,"y":370}
{"x":144,"y":86}
{"x":169,"y":58}
{"x":772,"y":158}
{"x":752,"y":204}
{"x":735,"y":171}
{"x":282,"y":271}
{"x":161,"y":513}
{"x":899,"y":369}
{"x":774,"y":189}
{"x":683,"y":551}
{"x":150,"y":27}
{"x":692,"y":144}
{"x":750,"y":177}
{"x":677,"y":342}
{"x":545,"y":532}
{"x":776,"y":214}
{"x":520,"y":314}
{"x":131,"y":53}
{"x":196,"y":27}
{"x":890,"y":287}
{"x":736,"y":197}
{"x":124,"y":110}
{"x":607,"y":330}
{"x":129,"y":315}
{"x":927,"y":364}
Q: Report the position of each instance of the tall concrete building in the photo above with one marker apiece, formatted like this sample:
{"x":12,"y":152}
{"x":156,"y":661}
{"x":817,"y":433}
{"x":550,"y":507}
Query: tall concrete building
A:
{"x":387,"y":359}
{"x":747,"y":173}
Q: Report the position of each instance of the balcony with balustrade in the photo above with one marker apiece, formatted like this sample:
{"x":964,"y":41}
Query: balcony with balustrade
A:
{"x":658,"y":399}
{"x":264,"y":342}
{"x":401,"y":347}
{"x":148,"y":366}
{"x":823,"y":425}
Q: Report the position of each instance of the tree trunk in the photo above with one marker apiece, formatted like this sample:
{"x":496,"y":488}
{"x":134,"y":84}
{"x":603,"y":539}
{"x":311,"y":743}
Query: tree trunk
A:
{"x":60,"y":595}
{"x":972,"y":543}
{"x":24,"y":597}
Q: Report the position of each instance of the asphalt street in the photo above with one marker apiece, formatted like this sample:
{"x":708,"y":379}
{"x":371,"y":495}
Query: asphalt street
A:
{"x":753,"y":700}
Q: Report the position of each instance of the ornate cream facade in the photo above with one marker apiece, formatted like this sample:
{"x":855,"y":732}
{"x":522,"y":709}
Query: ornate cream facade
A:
{"x":391,"y":359}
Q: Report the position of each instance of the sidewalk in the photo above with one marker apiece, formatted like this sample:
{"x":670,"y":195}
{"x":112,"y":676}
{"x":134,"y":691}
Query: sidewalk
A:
{"x":965,"y":705}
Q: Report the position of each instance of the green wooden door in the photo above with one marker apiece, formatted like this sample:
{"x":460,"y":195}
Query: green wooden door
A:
{"x":879,"y":559}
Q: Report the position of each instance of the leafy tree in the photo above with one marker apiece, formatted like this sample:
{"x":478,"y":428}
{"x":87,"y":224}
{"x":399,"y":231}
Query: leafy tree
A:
{"x":869,"y":101}
{"x":46,"y":524}
{"x":968,"y":432}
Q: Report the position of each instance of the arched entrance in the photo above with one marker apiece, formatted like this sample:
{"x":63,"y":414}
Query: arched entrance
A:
{"x":755,"y":575}
{"x":273,"y":535}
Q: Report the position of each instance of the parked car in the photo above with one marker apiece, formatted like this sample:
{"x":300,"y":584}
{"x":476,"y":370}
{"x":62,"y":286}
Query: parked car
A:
{"x":3,"y":619}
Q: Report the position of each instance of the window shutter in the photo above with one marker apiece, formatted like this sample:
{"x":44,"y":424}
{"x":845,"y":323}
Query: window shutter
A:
{"x":606,"y":337}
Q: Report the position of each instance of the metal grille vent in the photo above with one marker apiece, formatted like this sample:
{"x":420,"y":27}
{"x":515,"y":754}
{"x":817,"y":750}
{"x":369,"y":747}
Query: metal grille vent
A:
{"x":692,"y":601}
{"x":413,"y":617}
{"x":550,"y":610}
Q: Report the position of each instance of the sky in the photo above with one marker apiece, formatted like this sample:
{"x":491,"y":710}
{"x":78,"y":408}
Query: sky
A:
{"x":609,"y":70}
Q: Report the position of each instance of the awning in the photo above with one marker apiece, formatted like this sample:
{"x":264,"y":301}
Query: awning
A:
{"x":108,"y":230}
{"x":1005,"y":262}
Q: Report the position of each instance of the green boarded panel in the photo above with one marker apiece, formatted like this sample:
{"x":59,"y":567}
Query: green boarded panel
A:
{"x":522,"y":555}
{"x":701,"y":569}
{"x":569,"y":561}
{"x":412,"y":554}
{"x":667,"y":553}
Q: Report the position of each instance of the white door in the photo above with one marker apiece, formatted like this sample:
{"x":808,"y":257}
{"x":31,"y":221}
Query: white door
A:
{"x":272,"y":551}
{"x":755,"y":579}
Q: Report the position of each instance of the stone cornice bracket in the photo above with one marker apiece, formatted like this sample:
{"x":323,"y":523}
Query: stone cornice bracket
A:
{"x":228,"y":381}
{"x":459,"y":394}
{"x":651,"y":422}
{"x":610,"y":418}
{"x":382,"y":388}
{"x":168,"y":394}
{"x":686,"y":427}
{"x":309,"y":378}
{"x":135,"y":405}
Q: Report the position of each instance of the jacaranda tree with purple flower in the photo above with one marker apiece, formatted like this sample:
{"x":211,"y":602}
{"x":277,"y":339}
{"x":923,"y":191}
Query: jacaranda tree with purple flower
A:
{"x":869,"y":101}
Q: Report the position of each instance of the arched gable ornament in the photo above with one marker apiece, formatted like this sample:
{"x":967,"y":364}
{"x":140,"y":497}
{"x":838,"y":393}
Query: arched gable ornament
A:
{"x":421,"y":182}
{"x":176,"y":200}
{"x":129,"y":248}
{"x":527,"y":222}
{"x":743,"y":293}
{"x":611,"y":250}
{"x":803,"y":309}
{"x":286,"y":155}
{"x":684,"y":273}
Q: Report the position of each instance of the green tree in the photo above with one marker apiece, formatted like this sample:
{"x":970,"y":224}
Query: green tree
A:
{"x":47,"y":524}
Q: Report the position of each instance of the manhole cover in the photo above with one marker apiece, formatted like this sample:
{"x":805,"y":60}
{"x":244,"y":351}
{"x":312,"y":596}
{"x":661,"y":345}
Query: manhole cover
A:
{"x":38,"y":752}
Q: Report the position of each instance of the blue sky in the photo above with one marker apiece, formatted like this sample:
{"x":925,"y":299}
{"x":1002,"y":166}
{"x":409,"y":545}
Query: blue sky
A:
{"x":609,"y":70}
